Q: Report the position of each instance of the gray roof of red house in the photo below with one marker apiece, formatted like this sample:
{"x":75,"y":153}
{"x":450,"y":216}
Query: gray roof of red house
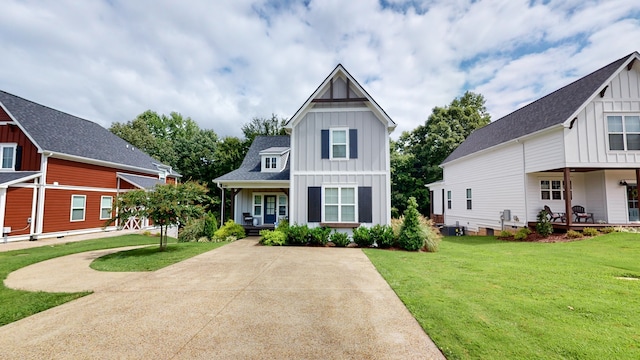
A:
{"x":59,"y":132}
{"x":553,"y":109}
{"x":250,"y":170}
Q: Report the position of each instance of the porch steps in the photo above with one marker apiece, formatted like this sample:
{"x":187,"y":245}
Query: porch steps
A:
{"x":251,"y":230}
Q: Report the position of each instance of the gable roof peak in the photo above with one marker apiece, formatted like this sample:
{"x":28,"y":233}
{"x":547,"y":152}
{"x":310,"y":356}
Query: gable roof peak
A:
{"x":550,"y":110}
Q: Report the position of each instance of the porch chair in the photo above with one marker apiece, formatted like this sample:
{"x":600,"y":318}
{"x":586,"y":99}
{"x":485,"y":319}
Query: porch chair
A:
{"x":579,"y":213}
{"x":555,"y":216}
{"x":248,"y":219}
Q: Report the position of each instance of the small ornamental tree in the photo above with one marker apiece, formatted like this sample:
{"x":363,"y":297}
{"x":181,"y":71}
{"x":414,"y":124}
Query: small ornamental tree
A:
{"x":166,"y":205}
{"x":411,"y":235}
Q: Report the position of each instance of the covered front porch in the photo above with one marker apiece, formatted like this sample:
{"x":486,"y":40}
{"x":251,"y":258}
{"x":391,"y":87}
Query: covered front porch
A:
{"x":585,"y":197}
{"x":257,"y":208}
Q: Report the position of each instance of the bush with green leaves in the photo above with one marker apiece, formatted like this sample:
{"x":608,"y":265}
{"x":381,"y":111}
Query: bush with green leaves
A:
{"x":608,"y":230}
{"x":412,"y":235}
{"x":272,"y":237}
{"x":362,"y":237}
{"x":590,"y":231}
{"x":383,"y":236}
{"x":543,"y":226}
{"x":230,"y":228}
{"x":192,"y":231}
{"x":522,"y":234}
{"x":572,"y":234}
{"x":505,"y":234}
{"x":283,"y":225}
{"x":340,"y":239}
{"x":298,"y":235}
{"x":319,"y":235}
{"x":210,"y":225}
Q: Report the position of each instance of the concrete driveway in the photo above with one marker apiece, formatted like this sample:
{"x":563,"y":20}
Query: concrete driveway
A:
{"x":240,"y":301}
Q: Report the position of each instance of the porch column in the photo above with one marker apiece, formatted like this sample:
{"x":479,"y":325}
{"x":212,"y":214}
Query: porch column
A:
{"x":567,"y":195}
{"x":234,"y":192}
{"x":638,"y":179}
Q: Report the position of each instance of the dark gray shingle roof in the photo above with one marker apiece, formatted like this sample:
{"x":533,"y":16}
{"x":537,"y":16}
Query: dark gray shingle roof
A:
{"x":59,"y":132}
{"x":548,"y":111}
{"x":143,"y":182}
{"x":11,"y":176}
{"x":250,"y":168}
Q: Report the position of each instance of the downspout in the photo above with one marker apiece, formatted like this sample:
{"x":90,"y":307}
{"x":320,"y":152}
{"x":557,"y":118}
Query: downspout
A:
{"x":44,"y":160}
{"x":524,"y":186}
{"x":221,"y":205}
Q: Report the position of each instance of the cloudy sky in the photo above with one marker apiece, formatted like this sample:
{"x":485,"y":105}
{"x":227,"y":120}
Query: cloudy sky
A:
{"x":224,"y":62}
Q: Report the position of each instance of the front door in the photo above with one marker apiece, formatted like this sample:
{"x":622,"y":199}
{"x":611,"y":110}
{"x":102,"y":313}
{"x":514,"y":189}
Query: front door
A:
{"x":270,"y":209}
{"x":632,"y":202}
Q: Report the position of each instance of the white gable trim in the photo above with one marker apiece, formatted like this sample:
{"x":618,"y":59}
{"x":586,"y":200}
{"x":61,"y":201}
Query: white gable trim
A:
{"x":340,"y":71}
{"x":17,"y":123}
{"x":567,"y":122}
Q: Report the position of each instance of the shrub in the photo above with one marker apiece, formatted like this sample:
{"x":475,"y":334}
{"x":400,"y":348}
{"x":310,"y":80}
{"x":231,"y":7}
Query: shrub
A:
{"x":319,"y":235}
{"x":522,"y":234}
{"x":230,"y":228}
{"x":543,"y":226}
{"x":340,"y":239}
{"x":411,"y":233}
{"x":283,"y":225}
{"x":362,"y":237}
{"x":210,"y":225}
{"x":192,"y":231}
{"x":572,"y":234}
{"x":504,"y":234}
{"x":432,"y":234}
{"x":272,"y":238}
{"x":608,"y":230}
{"x":383,"y":236}
{"x":298,"y":235}
{"x":589,"y":232}
{"x":396,"y":226}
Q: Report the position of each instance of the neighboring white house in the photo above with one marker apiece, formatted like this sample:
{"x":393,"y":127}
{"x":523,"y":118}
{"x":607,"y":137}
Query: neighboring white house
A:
{"x":333,"y":170}
{"x":586,"y":134}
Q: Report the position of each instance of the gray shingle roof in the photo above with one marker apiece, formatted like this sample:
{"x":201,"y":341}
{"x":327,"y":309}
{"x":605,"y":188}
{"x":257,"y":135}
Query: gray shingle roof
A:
{"x":59,"y":132}
{"x":250,"y":168}
{"x":143,"y":182}
{"x":11,"y":176}
{"x":548,"y":111}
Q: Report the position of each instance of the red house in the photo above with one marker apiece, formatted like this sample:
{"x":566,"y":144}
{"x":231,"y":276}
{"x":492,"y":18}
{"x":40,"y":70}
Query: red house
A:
{"x":59,"y":174}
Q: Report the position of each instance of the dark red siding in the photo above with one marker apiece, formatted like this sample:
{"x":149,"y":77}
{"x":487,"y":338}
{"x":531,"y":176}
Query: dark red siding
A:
{"x":73,"y":173}
{"x":57,"y":212}
{"x":4,"y":116}
{"x":13,"y":134}
{"x":19,"y":202}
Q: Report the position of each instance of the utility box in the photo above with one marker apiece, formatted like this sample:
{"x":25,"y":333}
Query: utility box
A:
{"x":6,"y":231}
{"x":506,"y":215}
{"x":452,"y":230}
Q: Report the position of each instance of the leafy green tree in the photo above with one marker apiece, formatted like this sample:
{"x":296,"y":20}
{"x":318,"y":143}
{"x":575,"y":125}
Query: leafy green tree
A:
{"x":420,"y":152}
{"x":263,"y":126}
{"x":411,"y":234}
{"x":165,"y":205}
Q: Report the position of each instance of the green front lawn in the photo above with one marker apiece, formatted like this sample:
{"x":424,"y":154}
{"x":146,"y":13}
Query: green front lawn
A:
{"x":16,"y":304}
{"x":480,"y":298}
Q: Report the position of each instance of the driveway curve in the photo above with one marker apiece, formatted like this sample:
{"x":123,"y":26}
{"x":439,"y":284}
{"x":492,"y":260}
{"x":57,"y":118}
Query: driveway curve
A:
{"x":240,"y":301}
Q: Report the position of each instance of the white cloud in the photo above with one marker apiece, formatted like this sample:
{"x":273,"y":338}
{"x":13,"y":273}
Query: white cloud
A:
{"x":222,"y":63}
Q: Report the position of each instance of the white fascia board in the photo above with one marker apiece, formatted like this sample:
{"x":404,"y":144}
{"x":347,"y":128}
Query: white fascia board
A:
{"x":256,"y":184}
{"x":567,"y":122}
{"x":23,"y":179}
{"x":17,"y":123}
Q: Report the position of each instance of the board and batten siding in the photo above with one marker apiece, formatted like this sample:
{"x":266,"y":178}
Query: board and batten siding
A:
{"x":586,"y":144}
{"x":308,"y":143}
{"x":377,"y":183}
{"x":30,"y":159}
{"x":496,"y":180}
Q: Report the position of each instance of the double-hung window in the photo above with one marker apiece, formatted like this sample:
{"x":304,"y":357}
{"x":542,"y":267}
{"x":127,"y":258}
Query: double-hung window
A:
{"x":448,"y":199}
{"x":105,"y":207}
{"x":78,"y":205}
{"x":624,"y":132}
{"x":552,"y":190}
{"x":339,"y":204}
{"x":339,"y":141}
{"x":8,"y":153}
{"x":468,"y":199}
{"x":270,"y":163}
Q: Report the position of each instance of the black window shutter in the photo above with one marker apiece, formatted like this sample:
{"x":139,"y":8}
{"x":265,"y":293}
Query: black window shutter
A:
{"x":365,"y":209}
{"x":18,"y":166}
{"x":314,"y":204}
{"x":353,"y":143}
{"x":325,"y":144}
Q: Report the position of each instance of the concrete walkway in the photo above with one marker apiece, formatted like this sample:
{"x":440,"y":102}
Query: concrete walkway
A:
{"x":240,"y":301}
